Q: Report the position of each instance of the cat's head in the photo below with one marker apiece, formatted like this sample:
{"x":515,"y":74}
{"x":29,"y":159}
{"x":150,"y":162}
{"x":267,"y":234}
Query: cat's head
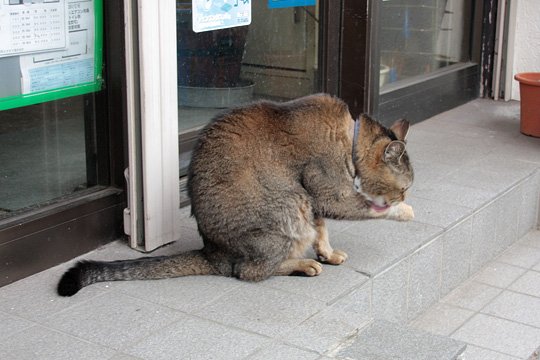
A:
{"x":383,"y":169}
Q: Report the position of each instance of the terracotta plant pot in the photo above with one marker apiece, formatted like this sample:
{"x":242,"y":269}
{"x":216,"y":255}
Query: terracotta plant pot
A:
{"x":529,"y":89}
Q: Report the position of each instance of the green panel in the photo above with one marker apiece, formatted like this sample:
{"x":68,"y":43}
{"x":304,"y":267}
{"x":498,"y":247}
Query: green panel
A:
{"x":73,"y":90}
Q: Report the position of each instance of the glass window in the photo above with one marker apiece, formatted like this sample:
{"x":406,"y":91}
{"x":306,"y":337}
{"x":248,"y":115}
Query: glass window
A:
{"x":273,"y":58}
{"x":418,"y":37}
{"x":44,"y":153}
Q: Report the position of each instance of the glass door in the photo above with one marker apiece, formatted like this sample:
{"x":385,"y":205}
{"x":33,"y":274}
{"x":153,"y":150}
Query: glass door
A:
{"x":275,"y":57}
{"x":420,"y":37}
{"x":423,"y":61}
{"x":185,"y":72}
{"x":61,"y":158}
{"x":44,"y":154}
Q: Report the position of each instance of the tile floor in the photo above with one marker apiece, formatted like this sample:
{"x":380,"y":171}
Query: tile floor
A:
{"x":395,"y":272}
{"x":497,"y":312}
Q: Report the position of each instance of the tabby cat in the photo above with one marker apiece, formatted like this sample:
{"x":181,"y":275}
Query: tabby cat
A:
{"x":262,"y":179}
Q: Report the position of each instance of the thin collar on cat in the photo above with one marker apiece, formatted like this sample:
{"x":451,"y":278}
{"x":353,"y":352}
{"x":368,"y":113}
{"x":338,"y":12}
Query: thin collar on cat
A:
{"x":357,"y":185}
{"x":355,"y":139}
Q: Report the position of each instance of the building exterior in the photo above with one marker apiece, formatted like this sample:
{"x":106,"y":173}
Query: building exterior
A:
{"x":97,"y":123}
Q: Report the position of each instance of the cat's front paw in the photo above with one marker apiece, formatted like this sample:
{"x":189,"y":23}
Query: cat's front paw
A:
{"x":406,"y":212}
{"x":336,"y":258}
{"x":310,"y":267}
{"x":401,"y":212}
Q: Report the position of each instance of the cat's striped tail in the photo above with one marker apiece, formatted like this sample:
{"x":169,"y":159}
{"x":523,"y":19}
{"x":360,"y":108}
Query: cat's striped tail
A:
{"x":85,"y":273}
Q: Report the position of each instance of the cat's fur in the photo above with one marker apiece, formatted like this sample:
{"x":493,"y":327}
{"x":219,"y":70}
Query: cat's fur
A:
{"x":262,"y":179}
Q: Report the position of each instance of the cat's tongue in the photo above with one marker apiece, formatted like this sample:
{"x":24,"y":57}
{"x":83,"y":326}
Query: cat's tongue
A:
{"x":379,"y":208}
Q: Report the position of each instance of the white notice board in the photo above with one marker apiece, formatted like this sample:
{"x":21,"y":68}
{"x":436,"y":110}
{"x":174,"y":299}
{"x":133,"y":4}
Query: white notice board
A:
{"x":49,"y":49}
{"x":29,"y":27}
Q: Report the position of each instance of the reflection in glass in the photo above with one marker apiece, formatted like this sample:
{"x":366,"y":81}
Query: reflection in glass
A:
{"x":273,"y":58}
{"x":43,"y":154}
{"x":418,"y":37}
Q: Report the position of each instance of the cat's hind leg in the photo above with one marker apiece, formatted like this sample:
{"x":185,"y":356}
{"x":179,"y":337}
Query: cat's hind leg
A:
{"x":260,"y":256}
{"x":261,"y":270}
{"x":255,"y":270}
{"x":276,"y":260}
{"x":322,"y":246}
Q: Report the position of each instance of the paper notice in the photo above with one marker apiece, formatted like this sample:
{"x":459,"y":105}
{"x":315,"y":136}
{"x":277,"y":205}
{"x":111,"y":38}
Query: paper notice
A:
{"x":73,"y":66}
{"x":220,"y":14}
{"x":29,"y":27}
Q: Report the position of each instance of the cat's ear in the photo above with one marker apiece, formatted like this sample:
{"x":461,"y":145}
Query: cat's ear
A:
{"x":401,"y":129}
{"x":394,"y":151}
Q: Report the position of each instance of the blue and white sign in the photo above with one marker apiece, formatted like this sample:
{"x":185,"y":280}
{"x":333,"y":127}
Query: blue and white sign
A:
{"x":277,"y":4}
{"x":220,"y":14}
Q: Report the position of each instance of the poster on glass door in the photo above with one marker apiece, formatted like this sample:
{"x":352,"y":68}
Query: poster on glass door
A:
{"x":29,"y":28}
{"x":49,"y":49}
{"x":220,"y":14}
{"x":70,"y":66}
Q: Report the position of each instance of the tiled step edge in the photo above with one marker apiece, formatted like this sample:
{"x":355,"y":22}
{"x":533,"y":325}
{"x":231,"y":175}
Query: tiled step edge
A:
{"x":385,"y":340}
{"x":408,"y":288}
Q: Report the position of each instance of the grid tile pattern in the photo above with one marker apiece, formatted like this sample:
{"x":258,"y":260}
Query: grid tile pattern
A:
{"x":497,"y":311}
{"x":476,"y":192}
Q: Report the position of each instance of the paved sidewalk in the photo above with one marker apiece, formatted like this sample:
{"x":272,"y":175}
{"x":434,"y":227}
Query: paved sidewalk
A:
{"x":476,"y":192}
{"x":497,"y":312}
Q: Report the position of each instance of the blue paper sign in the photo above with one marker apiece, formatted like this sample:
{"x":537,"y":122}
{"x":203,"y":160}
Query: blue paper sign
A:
{"x":277,"y":4}
{"x":220,"y":14}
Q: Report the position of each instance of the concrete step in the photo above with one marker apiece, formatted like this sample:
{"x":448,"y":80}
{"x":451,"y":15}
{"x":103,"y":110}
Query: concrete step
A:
{"x":411,"y":265}
{"x":476,"y":192}
{"x":383,"y":340}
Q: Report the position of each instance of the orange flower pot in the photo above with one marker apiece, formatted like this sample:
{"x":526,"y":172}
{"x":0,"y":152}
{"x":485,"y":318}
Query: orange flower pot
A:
{"x":529,"y":89}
